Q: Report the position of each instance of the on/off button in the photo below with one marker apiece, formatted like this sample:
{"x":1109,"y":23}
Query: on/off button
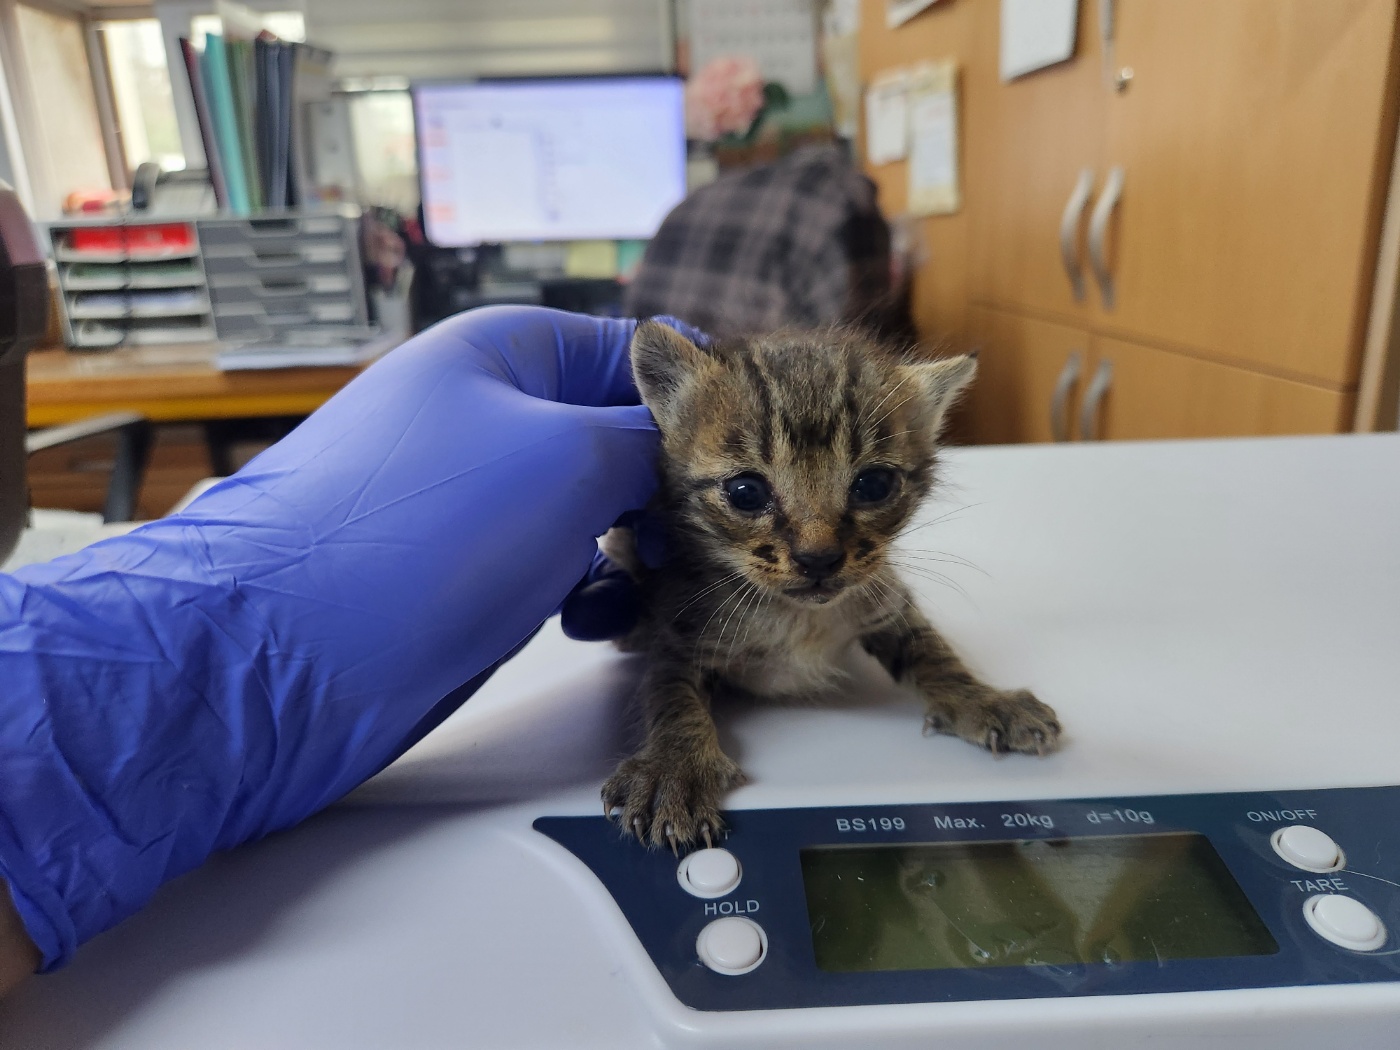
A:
{"x":1307,"y":848}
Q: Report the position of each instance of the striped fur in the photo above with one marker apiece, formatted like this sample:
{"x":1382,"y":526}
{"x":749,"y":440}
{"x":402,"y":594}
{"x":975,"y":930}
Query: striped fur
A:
{"x":736,"y":607}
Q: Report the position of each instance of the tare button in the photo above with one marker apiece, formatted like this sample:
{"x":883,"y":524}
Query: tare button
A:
{"x":1344,"y":921}
{"x":709,"y":872}
{"x":1307,"y":848}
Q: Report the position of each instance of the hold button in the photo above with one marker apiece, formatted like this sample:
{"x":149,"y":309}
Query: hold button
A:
{"x":732,"y":946}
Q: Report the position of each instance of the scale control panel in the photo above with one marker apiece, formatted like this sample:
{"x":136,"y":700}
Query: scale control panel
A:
{"x":1009,"y":900}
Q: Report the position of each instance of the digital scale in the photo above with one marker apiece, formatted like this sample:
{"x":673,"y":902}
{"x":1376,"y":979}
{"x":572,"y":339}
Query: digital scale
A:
{"x":1211,"y":861}
{"x":877,"y":905}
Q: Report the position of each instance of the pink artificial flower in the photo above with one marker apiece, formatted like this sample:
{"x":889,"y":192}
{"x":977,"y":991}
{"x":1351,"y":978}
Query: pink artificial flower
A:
{"x":723,"y":98}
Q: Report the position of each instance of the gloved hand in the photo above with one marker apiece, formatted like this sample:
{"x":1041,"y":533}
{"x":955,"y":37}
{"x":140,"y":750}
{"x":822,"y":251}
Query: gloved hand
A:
{"x":218,"y":675}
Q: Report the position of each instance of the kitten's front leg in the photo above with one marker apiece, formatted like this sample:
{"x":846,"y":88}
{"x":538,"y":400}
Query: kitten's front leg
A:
{"x":959,"y":703}
{"x":670,"y":790}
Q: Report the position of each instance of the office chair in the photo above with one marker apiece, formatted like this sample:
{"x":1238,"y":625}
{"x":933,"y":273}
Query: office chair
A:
{"x":24,"y":304}
{"x":799,"y":242}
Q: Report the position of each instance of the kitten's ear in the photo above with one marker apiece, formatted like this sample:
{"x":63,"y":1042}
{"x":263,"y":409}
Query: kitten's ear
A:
{"x":943,"y":382}
{"x":662,"y":360}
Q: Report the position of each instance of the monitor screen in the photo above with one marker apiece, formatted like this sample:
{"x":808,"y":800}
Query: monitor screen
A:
{"x":551,"y":160}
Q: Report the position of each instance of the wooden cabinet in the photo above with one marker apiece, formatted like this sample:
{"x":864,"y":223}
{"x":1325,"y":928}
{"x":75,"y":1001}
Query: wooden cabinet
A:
{"x":1153,"y":393}
{"x":1237,"y":177}
{"x":1026,"y":387}
{"x":1041,"y":380}
{"x":1254,"y":140}
{"x":1029,"y":143}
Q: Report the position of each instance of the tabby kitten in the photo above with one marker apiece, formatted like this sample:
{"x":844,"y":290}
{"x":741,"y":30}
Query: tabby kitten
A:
{"x":788,"y":465}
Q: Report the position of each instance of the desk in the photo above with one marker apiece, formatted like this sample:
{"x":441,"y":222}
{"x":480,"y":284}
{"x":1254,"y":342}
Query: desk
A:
{"x":169,"y":383}
{"x":1205,"y":616}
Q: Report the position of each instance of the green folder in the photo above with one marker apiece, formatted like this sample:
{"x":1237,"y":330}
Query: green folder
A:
{"x":243,"y":80}
{"x":214,"y":64}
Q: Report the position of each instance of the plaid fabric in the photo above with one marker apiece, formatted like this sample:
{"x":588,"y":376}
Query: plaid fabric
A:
{"x":798,"y":242}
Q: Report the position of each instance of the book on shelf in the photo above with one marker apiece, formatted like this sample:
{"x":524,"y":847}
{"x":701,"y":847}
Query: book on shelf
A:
{"x":206,"y":122}
{"x":248,"y":95}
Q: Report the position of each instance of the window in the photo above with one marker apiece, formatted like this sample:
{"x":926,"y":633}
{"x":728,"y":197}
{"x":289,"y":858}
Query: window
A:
{"x":141,"y":94}
{"x":61,"y":92}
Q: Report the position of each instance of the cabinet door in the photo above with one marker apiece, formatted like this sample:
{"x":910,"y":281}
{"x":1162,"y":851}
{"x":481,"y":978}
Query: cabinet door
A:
{"x":1253,"y":136}
{"x":1020,"y":365}
{"x":1027,"y":143}
{"x":1154,"y":393}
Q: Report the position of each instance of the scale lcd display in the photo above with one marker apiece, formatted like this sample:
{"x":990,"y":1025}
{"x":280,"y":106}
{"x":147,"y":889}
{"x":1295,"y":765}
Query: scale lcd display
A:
{"x":966,"y":905}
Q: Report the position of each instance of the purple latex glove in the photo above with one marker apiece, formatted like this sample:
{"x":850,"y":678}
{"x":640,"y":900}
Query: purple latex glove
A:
{"x":218,"y":675}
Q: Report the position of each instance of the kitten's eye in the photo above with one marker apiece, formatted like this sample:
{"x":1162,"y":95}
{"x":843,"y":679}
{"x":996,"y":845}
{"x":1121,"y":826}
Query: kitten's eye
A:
{"x":748,"y":492}
{"x":874,"y":485}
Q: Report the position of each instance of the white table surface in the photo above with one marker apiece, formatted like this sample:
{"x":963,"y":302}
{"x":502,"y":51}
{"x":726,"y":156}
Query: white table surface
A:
{"x":1206,"y":616}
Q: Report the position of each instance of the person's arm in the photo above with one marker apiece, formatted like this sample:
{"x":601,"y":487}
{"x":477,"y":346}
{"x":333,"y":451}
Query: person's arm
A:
{"x":18,"y":955}
{"x":215,"y":676}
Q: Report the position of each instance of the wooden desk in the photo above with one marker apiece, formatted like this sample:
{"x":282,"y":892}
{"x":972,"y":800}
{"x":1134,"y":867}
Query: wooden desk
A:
{"x":169,"y":383}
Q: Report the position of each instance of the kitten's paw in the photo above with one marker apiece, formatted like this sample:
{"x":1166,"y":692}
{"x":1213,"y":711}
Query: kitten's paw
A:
{"x":665,"y":801}
{"x":1013,"y":720}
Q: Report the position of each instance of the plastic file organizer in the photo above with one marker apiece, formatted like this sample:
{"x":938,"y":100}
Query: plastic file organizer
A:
{"x":132,"y":282}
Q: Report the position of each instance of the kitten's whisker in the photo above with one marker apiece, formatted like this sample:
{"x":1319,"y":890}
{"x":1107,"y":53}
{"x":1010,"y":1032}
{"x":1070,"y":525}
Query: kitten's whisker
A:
{"x":703,"y":632}
{"x":744,"y":620}
{"x":740,"y":597}
{"x":891,"y":411}
{"x":894,"y":602}
{"x":944,"y":557}
{"x":937,"y":577}
{"x":737,"y":619}
{"x":865,"y":414}
{"x":748,"y":626}
{"x":696,"y":597}
{"x":938,"y":520}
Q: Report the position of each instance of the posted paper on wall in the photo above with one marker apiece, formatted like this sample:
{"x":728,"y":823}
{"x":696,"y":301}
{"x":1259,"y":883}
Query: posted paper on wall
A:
{"x":1036,"y":34}
{"x":933,"y":139}
{"x":886,"y":119}
{"x":897,"y":12}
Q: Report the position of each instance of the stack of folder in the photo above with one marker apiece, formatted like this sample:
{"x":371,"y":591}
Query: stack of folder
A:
{"x":245,"y":94}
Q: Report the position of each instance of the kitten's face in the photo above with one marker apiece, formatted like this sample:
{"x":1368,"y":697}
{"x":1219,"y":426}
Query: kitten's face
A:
{"x":794,"y":460}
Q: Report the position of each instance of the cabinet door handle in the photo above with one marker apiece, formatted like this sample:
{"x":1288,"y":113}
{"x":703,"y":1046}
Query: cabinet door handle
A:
{"x":1069,"y":232}
{"x":1098,"y":233}
{"x":1089,"y":411}
{"x":1059,"y":401}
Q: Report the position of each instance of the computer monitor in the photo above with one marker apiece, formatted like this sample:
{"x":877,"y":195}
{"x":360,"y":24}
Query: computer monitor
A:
{"x":549,"y":160}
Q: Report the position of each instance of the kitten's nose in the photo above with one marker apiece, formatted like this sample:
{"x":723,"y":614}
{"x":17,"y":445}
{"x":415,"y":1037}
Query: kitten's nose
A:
{"x":819,"y":564}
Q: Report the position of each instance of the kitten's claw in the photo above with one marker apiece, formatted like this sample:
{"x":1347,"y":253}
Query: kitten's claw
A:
{"x":666,"y":801}
{"x":1002,"y":722}
{"x":705,"y":834}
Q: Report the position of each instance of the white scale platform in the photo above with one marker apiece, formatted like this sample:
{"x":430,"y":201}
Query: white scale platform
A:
{"x":1205,"y":616}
